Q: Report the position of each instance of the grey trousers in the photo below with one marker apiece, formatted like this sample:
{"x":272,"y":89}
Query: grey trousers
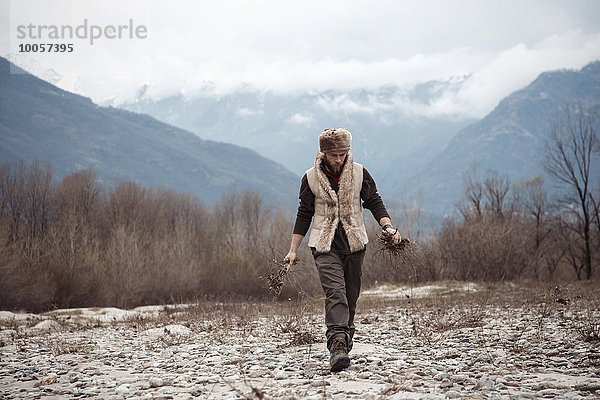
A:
{"x":340,"y":278}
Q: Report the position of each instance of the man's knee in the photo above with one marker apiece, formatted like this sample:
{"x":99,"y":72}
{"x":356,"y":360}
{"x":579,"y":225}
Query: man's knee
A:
{"x":336,"y":295}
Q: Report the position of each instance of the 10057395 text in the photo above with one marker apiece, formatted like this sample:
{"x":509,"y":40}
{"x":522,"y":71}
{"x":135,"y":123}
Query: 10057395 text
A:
{"x":46,"y":47}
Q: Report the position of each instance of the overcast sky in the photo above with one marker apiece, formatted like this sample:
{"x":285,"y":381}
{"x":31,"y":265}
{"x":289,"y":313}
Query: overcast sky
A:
{"x":311,"y":45}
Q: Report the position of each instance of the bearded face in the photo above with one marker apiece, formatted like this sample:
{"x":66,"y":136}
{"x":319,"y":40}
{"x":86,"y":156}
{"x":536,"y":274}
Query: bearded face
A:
{"x":335,"y":161}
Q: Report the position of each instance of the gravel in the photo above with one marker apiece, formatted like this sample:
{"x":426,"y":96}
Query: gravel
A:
{"x":506,"y":354}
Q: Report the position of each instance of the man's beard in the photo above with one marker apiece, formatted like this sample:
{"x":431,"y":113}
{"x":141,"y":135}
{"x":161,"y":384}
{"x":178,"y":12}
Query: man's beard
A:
{"x":336,"y":170}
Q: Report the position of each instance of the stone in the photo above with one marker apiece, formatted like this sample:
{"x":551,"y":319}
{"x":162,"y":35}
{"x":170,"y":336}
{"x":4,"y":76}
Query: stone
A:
{"x":258,"y":373}
{"x":123,"y":389}
{"x":205,"y":358}
{"x":280,"y":375}
{"x":375,"y":360}
{"x":485,"y":383}
{"x":446,"y":383}
{"x":460,"y":378}
{"x":49,"y":380}
{"x":156,"y":382}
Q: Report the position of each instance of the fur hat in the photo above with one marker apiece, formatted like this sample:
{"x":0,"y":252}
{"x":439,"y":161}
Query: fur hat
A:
{"x":337,"y":139}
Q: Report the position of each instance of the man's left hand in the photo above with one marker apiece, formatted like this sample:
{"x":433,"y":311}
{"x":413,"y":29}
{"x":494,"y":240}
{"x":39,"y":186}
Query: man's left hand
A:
{"x":394,"y":233}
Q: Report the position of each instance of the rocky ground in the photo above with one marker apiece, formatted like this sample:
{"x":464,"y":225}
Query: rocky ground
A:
{"x":434,"y":342}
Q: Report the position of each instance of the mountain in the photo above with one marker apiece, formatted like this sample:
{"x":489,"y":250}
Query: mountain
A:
{"x":417,"y":159}
{"x":284,"y":126}
{"x":411,"y":155}
{"x":25,"y":63}
{"x":512,"y":138}
{"x":39,"y":121}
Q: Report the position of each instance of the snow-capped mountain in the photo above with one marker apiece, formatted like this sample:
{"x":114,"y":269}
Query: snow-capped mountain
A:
{"x":34,"y":67}
{"x":410,"y":153}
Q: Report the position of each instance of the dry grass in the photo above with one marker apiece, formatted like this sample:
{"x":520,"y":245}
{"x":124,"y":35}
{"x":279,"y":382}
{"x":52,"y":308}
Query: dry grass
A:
{"x":589,"y":328}
{"x":444,"y":311}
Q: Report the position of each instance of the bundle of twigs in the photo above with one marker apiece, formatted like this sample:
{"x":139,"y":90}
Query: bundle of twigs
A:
{"x":396,"y":249}
{"x":405,"y":252}
{"x":278,"y":269}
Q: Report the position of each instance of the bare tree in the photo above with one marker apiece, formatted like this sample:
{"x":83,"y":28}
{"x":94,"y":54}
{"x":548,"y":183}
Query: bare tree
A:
{"x":73,"y":235}
{"x":496,"y":190}
{"x":14,"y":202}
{"x":535,"y":205}
{"x":569,"y":155}
{"x":595,"y":199}
{"x":485,"y":195}
{"x":472,"y":205}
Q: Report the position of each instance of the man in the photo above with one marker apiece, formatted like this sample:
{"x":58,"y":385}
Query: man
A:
{"x":332,"y":191}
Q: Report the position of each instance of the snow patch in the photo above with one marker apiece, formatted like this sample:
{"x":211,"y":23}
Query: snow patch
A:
{"x":8,"y":316}
{"x":47,"y":325}
{"x":108,"y":314}
{"x":390,"y":291}
{"x":169,"y":330}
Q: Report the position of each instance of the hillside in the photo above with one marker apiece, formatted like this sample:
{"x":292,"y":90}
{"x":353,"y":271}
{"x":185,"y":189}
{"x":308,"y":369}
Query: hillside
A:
{"x":39,"y":121}
{"x":512,"y":138}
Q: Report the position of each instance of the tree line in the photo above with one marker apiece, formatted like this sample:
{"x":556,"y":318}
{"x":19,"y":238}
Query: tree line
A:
{"x":79,"y":242}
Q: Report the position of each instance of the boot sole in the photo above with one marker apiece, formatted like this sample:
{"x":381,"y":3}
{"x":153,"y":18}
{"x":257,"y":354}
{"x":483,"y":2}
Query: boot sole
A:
{"x":340,"y":364}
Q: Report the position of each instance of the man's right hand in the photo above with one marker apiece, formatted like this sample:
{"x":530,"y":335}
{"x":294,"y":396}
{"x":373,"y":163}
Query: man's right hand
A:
{"x":290,"y":258}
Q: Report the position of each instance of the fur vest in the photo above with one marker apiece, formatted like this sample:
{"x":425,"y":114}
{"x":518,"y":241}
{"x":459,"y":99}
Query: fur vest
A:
{"x":332,"y":207}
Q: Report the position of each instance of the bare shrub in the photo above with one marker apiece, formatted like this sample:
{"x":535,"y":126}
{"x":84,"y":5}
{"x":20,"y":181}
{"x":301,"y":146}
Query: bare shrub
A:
{"x":25,"y":208}
{"x":78,"y":243}
{"x":296,"y":322}
{"x":507,"y":232}
{"x":75,"y":249}
{"x":484,"y":249}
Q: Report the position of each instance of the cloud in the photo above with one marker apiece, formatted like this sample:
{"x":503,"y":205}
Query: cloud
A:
{"x":301,"y":119}
{"x":247,"y":112}
{"x":216,"y":48}
{"x":488,"y":78}
{"x":514,"y":69}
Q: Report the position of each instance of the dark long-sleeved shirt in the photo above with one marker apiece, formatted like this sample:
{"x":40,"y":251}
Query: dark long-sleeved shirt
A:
{"x":371,"y":200}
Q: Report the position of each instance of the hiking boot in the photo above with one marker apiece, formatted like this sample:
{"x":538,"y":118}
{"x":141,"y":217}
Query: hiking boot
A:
{"x":339,"y":359}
